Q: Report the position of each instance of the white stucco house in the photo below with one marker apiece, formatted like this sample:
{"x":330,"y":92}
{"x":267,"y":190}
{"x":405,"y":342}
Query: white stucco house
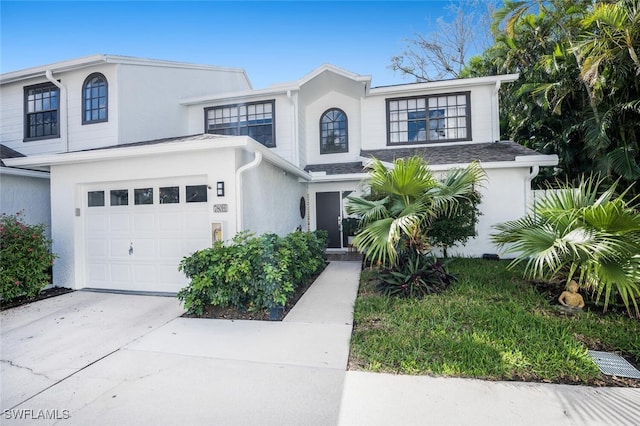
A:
{"x":148,"y":161}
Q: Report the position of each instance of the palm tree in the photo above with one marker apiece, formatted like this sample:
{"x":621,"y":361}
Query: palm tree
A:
{"x":404,"y":198}
{"x":610,"y":45}
{"x":581,"y":233}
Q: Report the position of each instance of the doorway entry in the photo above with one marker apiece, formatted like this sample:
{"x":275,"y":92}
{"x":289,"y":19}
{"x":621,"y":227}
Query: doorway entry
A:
{"x":329,"y":214}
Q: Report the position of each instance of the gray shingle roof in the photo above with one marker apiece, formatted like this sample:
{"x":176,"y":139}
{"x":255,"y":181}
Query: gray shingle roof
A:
{"x":336,"y":168}
{"x":6,"y":152}
{"x":452,"y":154}
{"x":456,"y":154}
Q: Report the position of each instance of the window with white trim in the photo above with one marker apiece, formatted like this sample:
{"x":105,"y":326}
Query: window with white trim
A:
{"x":94,"y":99}
{"x":255,"y":120}
{"x":41,"y":112}
{"x":333,"y":132}
{"x":425,"y":119}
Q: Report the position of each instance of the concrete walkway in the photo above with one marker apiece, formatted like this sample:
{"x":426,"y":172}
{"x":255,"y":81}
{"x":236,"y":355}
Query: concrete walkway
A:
{"x":166,"y":371}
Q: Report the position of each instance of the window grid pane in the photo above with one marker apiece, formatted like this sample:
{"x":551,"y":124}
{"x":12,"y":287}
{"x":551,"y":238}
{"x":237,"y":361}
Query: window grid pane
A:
{"x":95,"y":99}
{"x":333,"y":132}
{"x":428,"y":119}
{"x":253,"y":120}
{"x":41,"y":111}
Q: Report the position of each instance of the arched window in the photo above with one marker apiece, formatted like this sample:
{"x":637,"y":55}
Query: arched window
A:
{"x":334,"y":136}
{"x":94,"y":99}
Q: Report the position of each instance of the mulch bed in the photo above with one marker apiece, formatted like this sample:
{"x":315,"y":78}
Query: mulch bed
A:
{"x":44,"y":294}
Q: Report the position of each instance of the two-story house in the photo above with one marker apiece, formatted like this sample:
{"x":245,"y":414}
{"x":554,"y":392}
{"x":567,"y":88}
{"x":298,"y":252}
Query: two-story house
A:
{"x":151,"y":160}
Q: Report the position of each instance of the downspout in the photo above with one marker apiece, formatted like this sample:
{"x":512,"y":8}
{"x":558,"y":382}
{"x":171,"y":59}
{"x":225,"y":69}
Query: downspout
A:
{"x":256,"y":161}
{"x":495,"y":126}
{"x":294,"y":124}
{"x":63,"y":117}
{"x":528,"y":199}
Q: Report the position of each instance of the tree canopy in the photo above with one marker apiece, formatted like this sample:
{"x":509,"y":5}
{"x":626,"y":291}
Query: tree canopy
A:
{"x":578,"y":94}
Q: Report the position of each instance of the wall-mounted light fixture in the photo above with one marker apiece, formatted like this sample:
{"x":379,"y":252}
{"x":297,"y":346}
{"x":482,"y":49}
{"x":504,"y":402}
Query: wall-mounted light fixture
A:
{"x":220,"y":189}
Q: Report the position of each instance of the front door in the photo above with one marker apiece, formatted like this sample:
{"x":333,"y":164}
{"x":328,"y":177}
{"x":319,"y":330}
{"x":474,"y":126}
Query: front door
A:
{"x":328,"y":216}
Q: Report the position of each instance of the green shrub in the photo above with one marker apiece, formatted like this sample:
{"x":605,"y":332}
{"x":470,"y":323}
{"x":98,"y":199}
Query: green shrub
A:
{"x":251,"y":272}
{"x":25,"y":258}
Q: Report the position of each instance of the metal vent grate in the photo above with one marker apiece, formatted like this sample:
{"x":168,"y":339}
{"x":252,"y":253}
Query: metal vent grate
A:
{"x":614,"y":365}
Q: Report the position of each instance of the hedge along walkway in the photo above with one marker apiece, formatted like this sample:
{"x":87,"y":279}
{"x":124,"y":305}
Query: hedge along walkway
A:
{"x":231,"y":372}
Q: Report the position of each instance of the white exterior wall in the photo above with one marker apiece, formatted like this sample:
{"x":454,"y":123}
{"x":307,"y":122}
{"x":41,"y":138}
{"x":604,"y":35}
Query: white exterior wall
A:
{"x":29,"y":195}
{"x":505,"y":196}
{"x":313,"y":113}
{"x":74,"y":135}
{"x":271,"y":200}
{"x":150,"y":98}
{"x":69,"y":182}
{"x":484,"y":116}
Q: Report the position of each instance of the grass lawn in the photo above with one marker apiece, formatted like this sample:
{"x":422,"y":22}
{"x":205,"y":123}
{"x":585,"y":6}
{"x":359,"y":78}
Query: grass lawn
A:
{"x":491,"y":324}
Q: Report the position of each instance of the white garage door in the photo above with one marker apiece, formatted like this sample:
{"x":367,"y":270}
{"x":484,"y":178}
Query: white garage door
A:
{"x":136,"y":233}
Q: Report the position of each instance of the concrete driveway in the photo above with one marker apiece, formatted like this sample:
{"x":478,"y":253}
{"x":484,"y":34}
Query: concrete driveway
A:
{"x":47,"y":341}
{"x":102,"y":359}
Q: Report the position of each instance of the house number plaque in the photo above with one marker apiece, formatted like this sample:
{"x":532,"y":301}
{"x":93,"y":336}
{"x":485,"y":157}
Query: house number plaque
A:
{"x":220,"y":208}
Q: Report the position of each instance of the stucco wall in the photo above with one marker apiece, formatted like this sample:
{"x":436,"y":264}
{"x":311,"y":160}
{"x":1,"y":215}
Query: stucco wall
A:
{"x":29,"y":195}
{"x":504,"y":197}
{"x":271,"y":200}
{"x":313,"y":111}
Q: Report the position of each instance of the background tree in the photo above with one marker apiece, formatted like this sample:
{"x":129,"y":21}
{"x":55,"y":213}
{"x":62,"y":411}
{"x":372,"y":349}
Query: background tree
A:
{"x":579,"y":87}
{"x":444,"y":52}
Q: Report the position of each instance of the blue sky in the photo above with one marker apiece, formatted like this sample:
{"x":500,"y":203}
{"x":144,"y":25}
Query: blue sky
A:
{"x":274,"y":42}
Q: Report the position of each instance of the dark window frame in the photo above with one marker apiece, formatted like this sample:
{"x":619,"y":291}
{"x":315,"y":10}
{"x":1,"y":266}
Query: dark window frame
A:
{"x":84,"y":99}
{"x":27,"y":114}
{"x":428,"y":139}
{"x":329,"y":126}
{"x":236,"y":128}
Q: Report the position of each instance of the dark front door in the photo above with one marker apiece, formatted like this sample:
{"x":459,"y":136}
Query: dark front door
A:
{"x":328,"y":216}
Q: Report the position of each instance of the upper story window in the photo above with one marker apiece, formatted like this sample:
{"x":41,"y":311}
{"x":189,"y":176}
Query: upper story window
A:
{"x":255,"y":120}
{"x":41,"y":112}
{"x":333,"y":132}
{"x":427,"y":119}
{"x":94,"y":99}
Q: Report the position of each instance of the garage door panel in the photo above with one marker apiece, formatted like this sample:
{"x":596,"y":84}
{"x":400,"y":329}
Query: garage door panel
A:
{"x":121,"y":274}
{"x":146,"y":274}
{"x":97,"y":248}
{"x":170,"y":248}
{"x":170,"y":222}
{"x":144,"y":222}
{"x":144,"y":249}
{"x":160,"y":234}
{"x":97,"y":222}
{"x":197,"y":222}
{"x":119,"y":222}
{"x":98,"y":274}
{"x":119,"y":248}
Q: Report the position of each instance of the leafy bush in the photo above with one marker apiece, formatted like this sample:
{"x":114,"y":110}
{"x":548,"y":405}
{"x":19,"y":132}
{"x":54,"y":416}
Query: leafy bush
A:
{"x":586,"y":233}
{"x":25,"y":258}
{"x":457,"y":225}
{"x":415,"y":276}
{"x":251,"y":273}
